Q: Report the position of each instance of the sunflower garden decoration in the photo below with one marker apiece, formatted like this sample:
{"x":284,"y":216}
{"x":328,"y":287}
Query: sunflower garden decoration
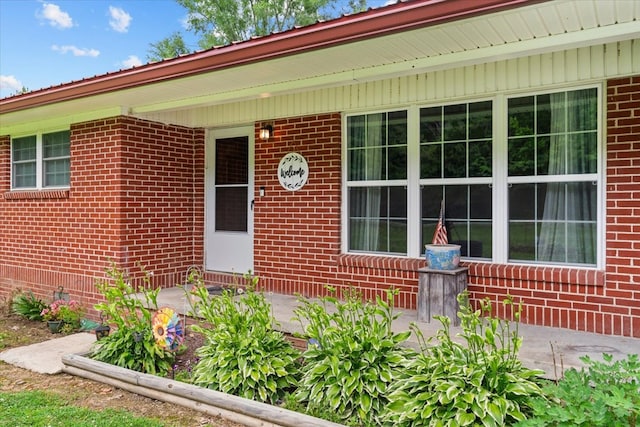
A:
{"x":167,"y":329}
{"x":128,"y":308}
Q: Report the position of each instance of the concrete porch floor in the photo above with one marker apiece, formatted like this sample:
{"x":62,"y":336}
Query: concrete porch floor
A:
{"x":541,"y":345}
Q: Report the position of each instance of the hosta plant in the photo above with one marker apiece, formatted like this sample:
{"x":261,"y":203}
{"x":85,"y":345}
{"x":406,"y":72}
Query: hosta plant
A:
{"x":131,"y":345}
{"x":242,"y":354}
{"x":353,"y":356}
{"x":478,"y":382}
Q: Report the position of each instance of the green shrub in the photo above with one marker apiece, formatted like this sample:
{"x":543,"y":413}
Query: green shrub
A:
{"x":353,"y":358}
{"x":481,"y":382}
{"x":27,"y":305}
{"x":605,"y":394}
{"x":3,"y":336}
{"x":131,"y":345}
{"x":242,"y":354}
{"x":70,"y":313}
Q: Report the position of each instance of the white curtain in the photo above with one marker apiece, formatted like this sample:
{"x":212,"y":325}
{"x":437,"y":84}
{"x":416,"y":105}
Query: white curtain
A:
{"x":367,"y":199}
{"x":567,"y":231}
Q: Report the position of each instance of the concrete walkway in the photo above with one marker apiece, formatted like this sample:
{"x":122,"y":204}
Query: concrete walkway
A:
{"x":549,"y":349}
{"x":46,"y":357}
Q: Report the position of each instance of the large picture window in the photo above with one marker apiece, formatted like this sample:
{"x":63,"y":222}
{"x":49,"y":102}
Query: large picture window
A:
{"x":553,"y":150}
{"x":519,"y":177}
{"x":377,"y":196}
{"x":456,"y":144}
{"x":41,"y":161}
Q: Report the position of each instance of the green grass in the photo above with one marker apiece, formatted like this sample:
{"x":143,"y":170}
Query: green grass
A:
{"x":37,"y":408}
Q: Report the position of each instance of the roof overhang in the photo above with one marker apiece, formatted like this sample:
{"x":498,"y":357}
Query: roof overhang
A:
{"x":405,"y":38}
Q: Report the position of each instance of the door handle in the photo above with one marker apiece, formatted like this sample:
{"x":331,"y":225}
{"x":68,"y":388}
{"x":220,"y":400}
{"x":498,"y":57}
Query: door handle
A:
{"x":253,"y":202}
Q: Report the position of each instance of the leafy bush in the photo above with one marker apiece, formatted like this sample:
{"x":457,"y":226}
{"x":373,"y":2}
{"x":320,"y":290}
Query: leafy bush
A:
{"x":131,"y":345}
{"x":71,"y":315}
{"x":27,"y":305}
{"x":480,"y":383}
{"x":605,"y":394}
{"x":353,"y":358}
{"x":242,"y":354}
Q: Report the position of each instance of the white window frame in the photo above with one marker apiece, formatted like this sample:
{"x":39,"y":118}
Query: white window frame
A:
{"x":412,"y":173}
{"x":39,"y":162}
{"x":485,"y":180}
{"x":503,"y":181}
{"x":499,"y":180}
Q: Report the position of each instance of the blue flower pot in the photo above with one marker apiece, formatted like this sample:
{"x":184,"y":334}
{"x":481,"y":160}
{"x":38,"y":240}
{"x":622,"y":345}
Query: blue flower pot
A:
{"x":442,"y":257}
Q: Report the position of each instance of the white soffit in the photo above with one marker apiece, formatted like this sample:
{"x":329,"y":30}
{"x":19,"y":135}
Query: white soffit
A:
{"x":536,"y":29}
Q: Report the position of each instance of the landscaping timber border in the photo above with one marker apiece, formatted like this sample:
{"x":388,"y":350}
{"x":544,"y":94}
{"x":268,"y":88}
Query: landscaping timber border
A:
{"x":238,"y":409}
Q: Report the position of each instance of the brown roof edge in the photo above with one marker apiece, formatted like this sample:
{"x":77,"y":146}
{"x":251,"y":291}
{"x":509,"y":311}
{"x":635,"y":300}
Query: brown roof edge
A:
{"x":398,"y":17}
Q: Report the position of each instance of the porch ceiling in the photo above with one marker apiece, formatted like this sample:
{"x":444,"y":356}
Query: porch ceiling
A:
{"x":533,"y":29}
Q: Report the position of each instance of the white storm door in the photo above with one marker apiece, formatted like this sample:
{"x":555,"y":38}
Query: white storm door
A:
{"x":229,"y":200}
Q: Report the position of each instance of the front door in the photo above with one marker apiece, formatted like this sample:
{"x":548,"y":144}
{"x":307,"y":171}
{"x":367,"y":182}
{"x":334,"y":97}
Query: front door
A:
{"x":229,"y":200}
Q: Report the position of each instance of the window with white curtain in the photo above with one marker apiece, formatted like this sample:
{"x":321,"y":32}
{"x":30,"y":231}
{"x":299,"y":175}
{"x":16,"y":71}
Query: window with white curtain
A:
{"x":41,"y":161}
{"x":519,"y":177}
{"x":377,"y":195}
{"x":552,"y":168}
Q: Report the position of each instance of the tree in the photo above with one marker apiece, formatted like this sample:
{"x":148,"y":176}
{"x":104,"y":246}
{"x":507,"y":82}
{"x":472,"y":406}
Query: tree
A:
{"x":169,"y":47}
{"x":20,"y":91}
{"x":221,"y":22}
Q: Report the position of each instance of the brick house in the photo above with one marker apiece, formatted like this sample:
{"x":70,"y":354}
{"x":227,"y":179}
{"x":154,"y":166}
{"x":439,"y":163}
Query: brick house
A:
{"x":523,"y":116}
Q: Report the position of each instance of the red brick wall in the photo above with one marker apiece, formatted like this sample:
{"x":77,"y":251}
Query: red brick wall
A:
{"x":297,"y":234}
{"x":152,"y":210}
{"x":161,"y":206}
{"x":623,"y":206}
{"x":136,"y":194}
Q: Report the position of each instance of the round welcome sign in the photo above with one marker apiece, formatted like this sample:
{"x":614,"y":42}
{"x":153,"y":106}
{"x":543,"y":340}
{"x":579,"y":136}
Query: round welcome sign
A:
{"x":293,"y":171}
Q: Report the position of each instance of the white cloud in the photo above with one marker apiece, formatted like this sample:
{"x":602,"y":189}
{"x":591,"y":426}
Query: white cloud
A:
{"x":76,"y":51}
{"x":55,"y":16}
{"x":120,"y":19}
{"x":10,"y":83}
{"x":131,"y":61}
{"x":184,"y":22}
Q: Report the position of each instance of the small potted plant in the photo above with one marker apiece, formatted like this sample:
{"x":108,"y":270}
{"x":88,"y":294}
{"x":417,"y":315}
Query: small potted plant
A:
{"x":62,"y":314}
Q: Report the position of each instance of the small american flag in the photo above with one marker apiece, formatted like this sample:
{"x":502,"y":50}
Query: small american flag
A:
{"x":440,"y":235}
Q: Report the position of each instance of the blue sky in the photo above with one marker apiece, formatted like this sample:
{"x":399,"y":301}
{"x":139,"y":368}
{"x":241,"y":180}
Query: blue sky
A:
{"x":45,"y":43}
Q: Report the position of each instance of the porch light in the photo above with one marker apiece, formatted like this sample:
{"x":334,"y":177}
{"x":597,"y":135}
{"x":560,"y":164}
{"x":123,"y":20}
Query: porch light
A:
{"x":265,"y":132}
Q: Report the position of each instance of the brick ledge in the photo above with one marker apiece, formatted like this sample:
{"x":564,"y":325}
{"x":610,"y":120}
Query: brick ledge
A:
{"x":380,"y":262}
{"x":534,"y":273}
{"x":36,"y":194}
{"x":539,"y":273}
